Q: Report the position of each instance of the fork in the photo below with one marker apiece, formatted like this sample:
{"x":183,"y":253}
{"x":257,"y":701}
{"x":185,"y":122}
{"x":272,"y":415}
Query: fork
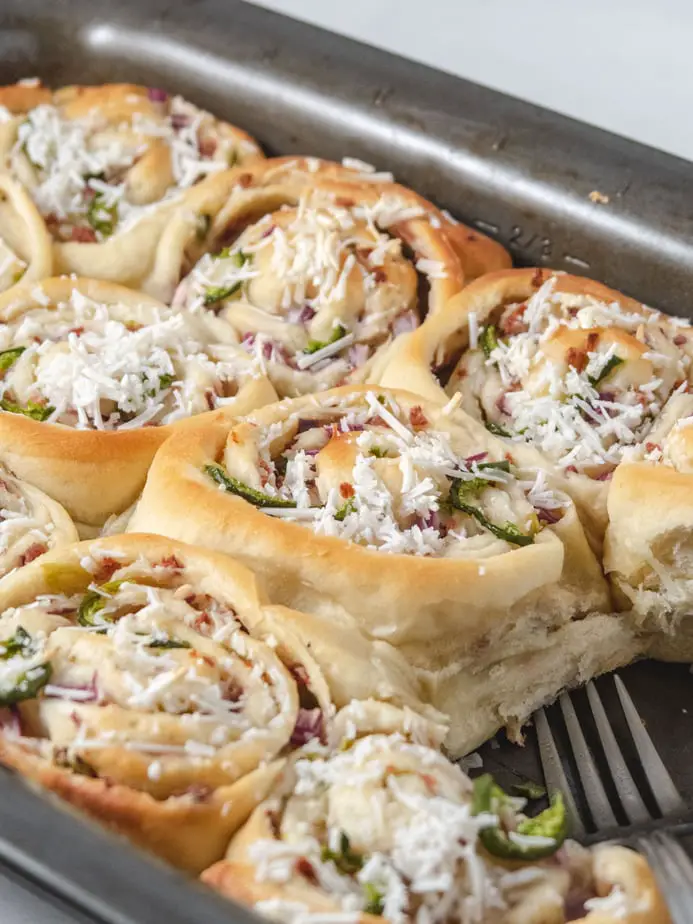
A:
{"x":669,"y":862}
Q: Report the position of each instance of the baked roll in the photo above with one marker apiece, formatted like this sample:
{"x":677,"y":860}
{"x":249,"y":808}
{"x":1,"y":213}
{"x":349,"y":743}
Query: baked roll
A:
{"x":137,"y":684}
{"x":108,"y":165}
{"x":574,"y":370}
{"x":385,"y":829}
{"x":96,"y":376}
{"x":31,"y":523}
{"x":315,"y":269}
{"x":25,"y":244}
{"x":648,"y":541}
{"x":412,"y":520}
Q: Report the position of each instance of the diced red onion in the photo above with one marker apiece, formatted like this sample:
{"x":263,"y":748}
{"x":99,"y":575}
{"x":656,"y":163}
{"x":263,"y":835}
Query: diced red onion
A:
{"x":358,"y":354}
{"x":307,"y":424}
{"x":605,"y":476}
{"x":157,"y":95}
{"x":405,"y":323}
{"x":300,"y":315}
{"x":309,"y":725}
{"x":479,"y":457}
{"x":11,"y":721}
{"x":548,"y":516}
{"x":311,"y":452}
{"x":607,"y":396}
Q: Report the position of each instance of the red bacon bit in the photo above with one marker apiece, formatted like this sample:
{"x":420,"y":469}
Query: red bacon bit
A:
{"x":430,"y":783}
{"x":83,"y":235}
{"x":344,"y":202}
{"x":592,"y":341}
{"x":210,"y":399}
{"x":106,"y":569}
{"x":245,"y":180}
{"x":75,"y":719}
{"x":76,"y":330}
{"x":171,"y":562}
{"x":309,"y":724}
{"x":269,"y":232}
{"x":537,"y":279}
{"x":34,"y":550}
{"x":232,"y":691}
{"x":651,"y":447}
{"x":305,"y":868}
{"x":576,"y":358}
{"x":377,"y":421}
{"x":510,"y":458}
{"x":571,"y":468}
{"x":203,"y":621}
{"x":207,"y":147}
{"x":346,"y":489}
{"x":300,"y":674}
{"x":514,"y":323}
{"x":379,"y":275}
{"x":417,"y":418}
{"x":680,"y":340}
{"x":472,"y":237}
{"x":265,"y":472}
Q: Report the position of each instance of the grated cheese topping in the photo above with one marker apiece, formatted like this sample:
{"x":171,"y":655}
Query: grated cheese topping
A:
{"x":380,"y":475}
{"x":89,"y":365}
{"x":142,"y":661}
{"x":582,"y":380}
{"x":78,"y":170}
{"x":387,"y":826}
{"x":313,"y":291}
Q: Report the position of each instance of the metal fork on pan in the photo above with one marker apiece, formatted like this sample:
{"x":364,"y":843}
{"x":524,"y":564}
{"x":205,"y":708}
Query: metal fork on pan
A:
{"x":669,"y":862}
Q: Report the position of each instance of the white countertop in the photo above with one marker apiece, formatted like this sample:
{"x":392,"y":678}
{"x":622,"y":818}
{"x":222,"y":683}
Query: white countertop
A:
{"x":624,"y":65}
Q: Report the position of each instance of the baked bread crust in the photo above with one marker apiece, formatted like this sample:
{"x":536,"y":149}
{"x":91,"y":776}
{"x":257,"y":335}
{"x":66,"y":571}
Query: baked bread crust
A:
{"x":152,"y":139}
{"x":93,"y":473}
{"x":503,"y":298}
{"x":231,"y":200}
{"x":448,"y":614}
{"x":25,"y":245}
{"x":179,"y":805}
{"x":257,"y":869}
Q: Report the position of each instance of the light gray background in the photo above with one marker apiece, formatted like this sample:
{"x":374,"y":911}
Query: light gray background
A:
{"x":625,"y":65}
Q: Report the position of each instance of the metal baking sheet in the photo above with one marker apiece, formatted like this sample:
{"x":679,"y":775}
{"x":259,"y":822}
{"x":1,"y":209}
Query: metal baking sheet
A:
{"x":513,"y":170}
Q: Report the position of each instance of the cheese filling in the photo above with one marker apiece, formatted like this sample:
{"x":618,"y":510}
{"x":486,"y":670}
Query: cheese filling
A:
{"x":88,"y":365}
{"x":582,"y":380}
{"x":381,"y":476}
{"x":25,"y":529}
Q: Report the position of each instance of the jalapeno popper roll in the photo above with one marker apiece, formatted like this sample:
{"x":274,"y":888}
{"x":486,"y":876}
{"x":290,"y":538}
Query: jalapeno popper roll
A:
{"x":25,"y":244}
{"x":650,"y":534}
{"x":96,"y":376}
{"x":385,"y":829}
{"x":315,"y":270}
{"x":301,"y":262}
{"x":576,"y":371}
{"x":31,"y":523}
{"x":107,"y":166}
{"x":412,"y":520}
{"x":136,"y":683}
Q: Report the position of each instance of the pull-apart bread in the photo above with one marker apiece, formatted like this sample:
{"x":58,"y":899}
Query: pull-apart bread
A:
{"x":410,"y":520}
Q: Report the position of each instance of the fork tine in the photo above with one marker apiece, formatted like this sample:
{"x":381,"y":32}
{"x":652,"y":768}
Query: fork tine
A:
{"x":602,"y":813}
{"x":673,"y":871}
{"x":628,"y":793}
{"x":554,"y":774}
{"x":666,"y":794}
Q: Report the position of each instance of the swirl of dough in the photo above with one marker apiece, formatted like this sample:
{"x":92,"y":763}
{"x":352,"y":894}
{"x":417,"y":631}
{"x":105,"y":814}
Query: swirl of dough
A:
{"x":135,"y":682}
{"x":409,"y":518}
{"x":107,"y":167}
{"x":96,"y":376}
{"x":386,"y":829}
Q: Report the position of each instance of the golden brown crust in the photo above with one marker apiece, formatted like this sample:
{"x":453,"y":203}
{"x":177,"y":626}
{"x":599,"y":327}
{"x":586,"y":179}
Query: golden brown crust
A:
{"x":439,"y":612}
{"x":441,"y":340}
{"x":92,"y":473}
{"x":128,"y":255}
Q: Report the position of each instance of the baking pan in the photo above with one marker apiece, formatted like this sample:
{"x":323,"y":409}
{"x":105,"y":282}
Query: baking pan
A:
{"x":515,"y":171}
